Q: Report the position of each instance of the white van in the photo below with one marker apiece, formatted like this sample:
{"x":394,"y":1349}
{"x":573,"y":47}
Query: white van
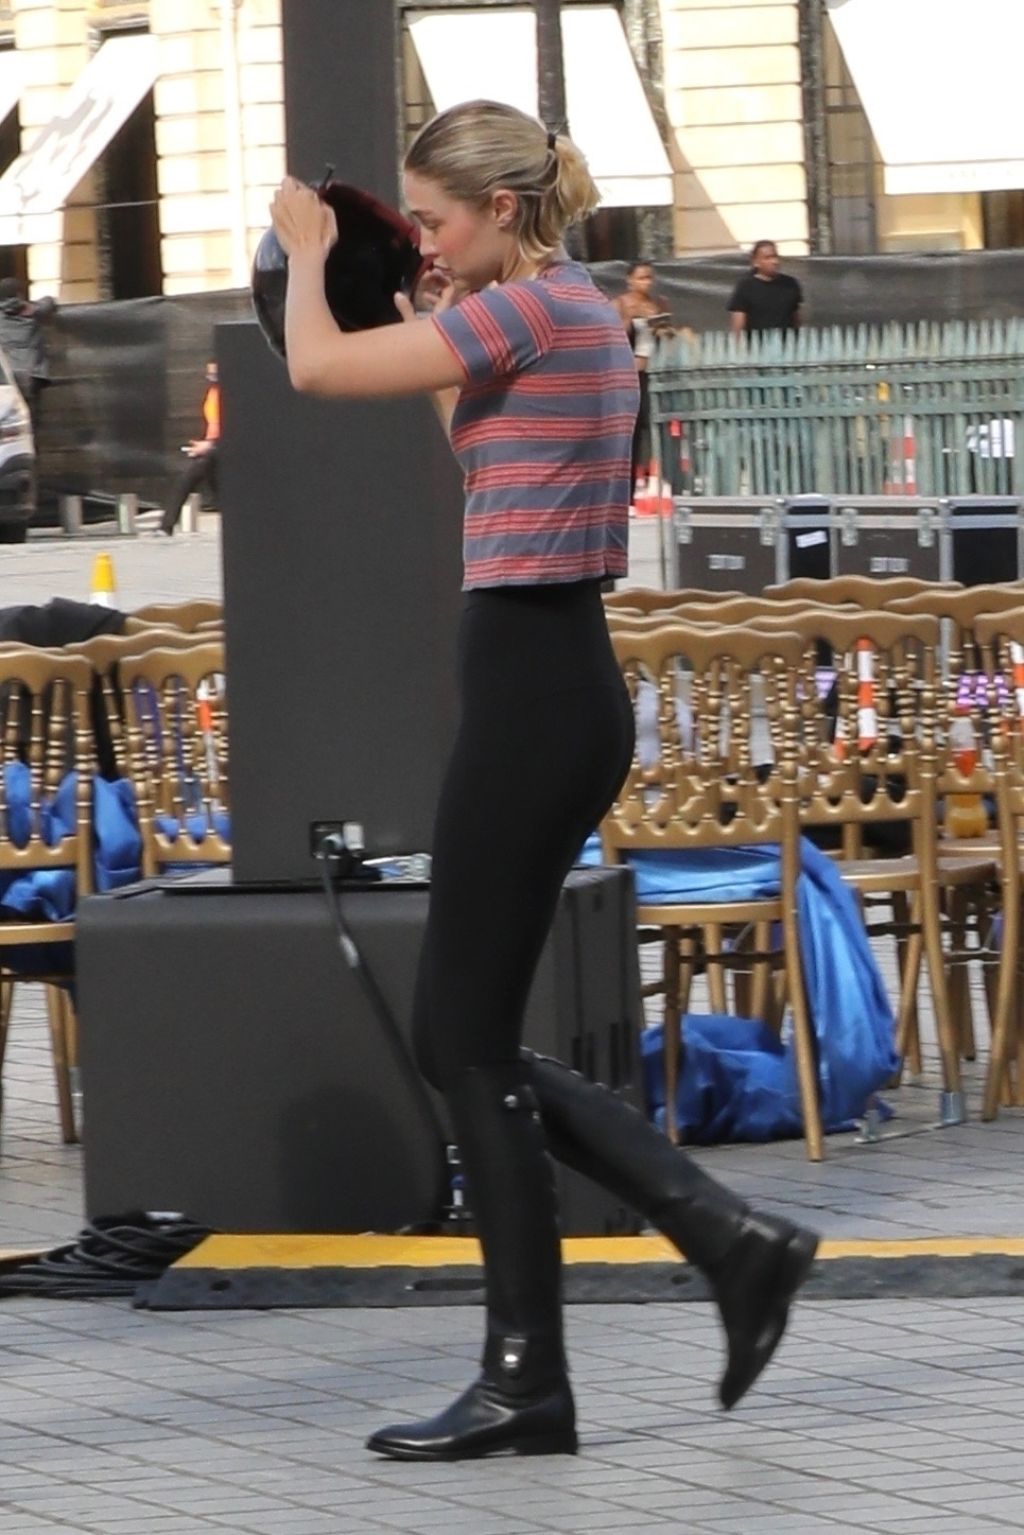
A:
{"x":17,"y":461}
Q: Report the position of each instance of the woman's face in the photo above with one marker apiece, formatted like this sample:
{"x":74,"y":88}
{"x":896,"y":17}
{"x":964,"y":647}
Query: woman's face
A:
{"x":469,"y":245}
{"x":640,"y":281}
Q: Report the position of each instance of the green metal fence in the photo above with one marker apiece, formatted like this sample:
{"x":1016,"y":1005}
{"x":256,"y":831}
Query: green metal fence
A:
{"x":925,"y":410}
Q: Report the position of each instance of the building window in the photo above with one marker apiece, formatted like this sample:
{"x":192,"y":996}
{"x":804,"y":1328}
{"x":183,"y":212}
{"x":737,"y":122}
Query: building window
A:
{"x":851,"y":157}
{"x":128,"y":204}
{"x":1002,"y":216}
{"x":129,"y":215}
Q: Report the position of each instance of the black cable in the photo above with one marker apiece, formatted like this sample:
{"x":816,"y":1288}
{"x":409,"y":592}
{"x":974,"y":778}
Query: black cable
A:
{"x":112,"y":1256}
{"x":353,"y":957}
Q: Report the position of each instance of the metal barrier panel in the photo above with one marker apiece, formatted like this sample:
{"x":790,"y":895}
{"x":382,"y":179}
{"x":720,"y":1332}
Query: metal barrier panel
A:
{"x":928,"y":410}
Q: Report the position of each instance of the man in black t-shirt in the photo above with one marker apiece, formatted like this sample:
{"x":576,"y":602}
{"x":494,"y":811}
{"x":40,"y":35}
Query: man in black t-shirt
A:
{"x":766,"y":299}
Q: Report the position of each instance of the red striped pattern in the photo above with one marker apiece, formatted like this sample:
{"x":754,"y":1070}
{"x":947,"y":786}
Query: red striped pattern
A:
{"x":549,"y":372}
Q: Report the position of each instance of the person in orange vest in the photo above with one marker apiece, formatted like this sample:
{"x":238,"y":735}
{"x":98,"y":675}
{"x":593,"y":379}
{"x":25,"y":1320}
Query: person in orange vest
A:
{"x":202,"y":454}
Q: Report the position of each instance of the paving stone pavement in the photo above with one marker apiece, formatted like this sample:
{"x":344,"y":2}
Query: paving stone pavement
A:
{"x":902,"y":1417}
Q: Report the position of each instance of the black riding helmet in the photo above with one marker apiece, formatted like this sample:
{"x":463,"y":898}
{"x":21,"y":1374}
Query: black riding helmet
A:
{"x":374,"y":257}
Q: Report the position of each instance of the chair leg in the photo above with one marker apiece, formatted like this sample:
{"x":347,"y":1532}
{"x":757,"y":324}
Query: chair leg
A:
{"x":6,"y":1004}
{"x":908,"y":1030}
{"x":742,"y":980}
{"x":936,"y":962}
{"x":670,"y":1031}
{"x":761,"y":978}
{"x":1006,"y":1033}
{"x":55,"y":1008}
{"x":803,"y":1039}
{"x":958,"y":980}
{"x":686,"y":953}
{"x":908,"y":953}
{"x":717,"y":997}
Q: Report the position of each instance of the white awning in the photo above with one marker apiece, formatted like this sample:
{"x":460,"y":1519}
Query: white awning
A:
{"x":104,"y":96}
{"x":492,"y":54}
{"x":940,"y":83}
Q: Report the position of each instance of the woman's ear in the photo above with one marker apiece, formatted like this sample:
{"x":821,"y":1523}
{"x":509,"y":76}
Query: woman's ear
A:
{"x":505,"y":206}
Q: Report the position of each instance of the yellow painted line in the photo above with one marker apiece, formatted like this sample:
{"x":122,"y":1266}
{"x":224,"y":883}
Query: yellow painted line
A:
{"x":242,"y":1251}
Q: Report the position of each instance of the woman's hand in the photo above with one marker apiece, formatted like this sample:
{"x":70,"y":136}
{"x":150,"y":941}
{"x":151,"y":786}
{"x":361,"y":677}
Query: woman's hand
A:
{"x":435,"y":292}
{"x":302,"y":221}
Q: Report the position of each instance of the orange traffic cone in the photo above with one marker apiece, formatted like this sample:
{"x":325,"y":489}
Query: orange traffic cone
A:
{"x":652,"y":495}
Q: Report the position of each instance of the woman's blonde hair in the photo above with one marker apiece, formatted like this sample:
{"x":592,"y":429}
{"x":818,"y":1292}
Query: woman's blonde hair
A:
{"x":479,"y":147}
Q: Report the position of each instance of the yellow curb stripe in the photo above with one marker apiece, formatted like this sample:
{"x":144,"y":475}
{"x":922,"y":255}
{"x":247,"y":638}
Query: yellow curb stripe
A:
{"x":243,"y":1251}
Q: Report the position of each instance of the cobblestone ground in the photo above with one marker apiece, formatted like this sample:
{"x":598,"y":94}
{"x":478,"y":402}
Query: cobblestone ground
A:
{"x":883,"y":1416}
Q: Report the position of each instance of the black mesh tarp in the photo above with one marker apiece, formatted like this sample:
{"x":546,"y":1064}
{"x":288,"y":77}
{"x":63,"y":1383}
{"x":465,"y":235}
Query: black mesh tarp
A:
{"x":849,"y":290}
{"x":129,"y":376}
{"x":127,"y":392}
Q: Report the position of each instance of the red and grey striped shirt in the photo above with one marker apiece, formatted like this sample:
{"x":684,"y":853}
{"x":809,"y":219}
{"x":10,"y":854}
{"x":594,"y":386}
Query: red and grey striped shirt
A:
{"x":543,"y":430}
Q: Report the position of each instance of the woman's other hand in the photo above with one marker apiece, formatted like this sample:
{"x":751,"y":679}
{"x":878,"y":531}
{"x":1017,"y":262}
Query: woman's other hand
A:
{"x":435,"y":292}
{"x":302,"y":221}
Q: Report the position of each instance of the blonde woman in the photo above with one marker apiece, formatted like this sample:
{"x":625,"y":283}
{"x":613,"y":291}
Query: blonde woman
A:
{"x":533,"y":376}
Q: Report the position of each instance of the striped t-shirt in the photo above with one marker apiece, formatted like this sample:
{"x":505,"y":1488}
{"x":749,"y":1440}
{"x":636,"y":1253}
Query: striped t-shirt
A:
{"x":543,"y":429}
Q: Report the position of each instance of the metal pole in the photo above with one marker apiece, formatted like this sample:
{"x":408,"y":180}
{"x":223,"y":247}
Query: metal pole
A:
{"x":812,"y":75}
{"x":550,"y":65}
{"x":233,"y":141}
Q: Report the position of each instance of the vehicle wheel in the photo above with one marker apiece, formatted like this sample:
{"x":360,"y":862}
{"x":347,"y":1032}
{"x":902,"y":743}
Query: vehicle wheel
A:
{"x":13,"y":532}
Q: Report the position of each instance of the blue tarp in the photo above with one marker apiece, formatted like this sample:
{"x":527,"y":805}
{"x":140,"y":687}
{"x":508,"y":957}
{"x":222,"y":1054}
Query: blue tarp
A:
{"x":737,"y":1079}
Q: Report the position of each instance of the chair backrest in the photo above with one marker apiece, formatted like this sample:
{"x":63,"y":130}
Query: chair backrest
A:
{"x":45,"y":735}
{"x":705,"y":783}
{"x":962,"y":605}
{"x":177,"y":753}
{"x":647,"y":599}
{"x":741,"y":612}
{"x":104,"y":653}
{"x":179,"y":615}
{"x":960,"y":611}
{"x":998,"y":714}
{"x":866,"y":743}
{"x":862,"y":591}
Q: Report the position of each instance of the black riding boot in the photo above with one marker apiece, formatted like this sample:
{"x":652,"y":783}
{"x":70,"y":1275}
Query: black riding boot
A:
{"x":754,"y":1263}
{"x":522,"y":1402}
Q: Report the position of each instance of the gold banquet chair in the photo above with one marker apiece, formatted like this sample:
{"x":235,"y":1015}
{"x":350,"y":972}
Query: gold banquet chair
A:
{"x":45,"y":732}
{"x":707,"y":789}
{"x":875,"y":592}
{"x":871,"y":767}
{"x":649,"y":599}
{"x":1000,"y":637}
{"x":176,"y":615}
{"x":176,"y":738}
{"x":104,"y":653}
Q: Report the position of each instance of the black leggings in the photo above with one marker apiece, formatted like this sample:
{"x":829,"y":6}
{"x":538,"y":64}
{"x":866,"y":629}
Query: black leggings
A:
{"x":543,"y":745}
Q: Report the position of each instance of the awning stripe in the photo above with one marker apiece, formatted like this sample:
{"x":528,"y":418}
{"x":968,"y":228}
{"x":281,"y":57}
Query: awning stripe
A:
{"x":493,"y":54}
{"x":100,"y":102}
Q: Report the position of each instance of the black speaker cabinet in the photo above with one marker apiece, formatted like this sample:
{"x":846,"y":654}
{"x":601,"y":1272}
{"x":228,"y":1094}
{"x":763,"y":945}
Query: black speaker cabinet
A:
{"x":342,"y":574}
{"x":233,"y":1069}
